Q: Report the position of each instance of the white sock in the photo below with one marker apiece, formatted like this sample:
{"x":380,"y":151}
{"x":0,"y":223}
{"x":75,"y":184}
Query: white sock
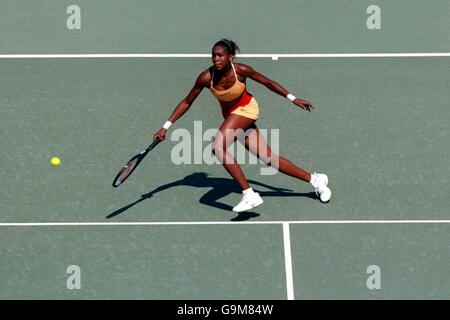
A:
{"x":249,"y":190}
{"x":313,"y":179}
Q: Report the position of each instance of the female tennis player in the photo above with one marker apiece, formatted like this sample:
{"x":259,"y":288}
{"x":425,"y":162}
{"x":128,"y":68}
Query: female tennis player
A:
{"x":227,"y":82}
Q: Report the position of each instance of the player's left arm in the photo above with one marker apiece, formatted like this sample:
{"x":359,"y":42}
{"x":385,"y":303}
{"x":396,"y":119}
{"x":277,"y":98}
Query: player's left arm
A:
{"x":274,"y":86}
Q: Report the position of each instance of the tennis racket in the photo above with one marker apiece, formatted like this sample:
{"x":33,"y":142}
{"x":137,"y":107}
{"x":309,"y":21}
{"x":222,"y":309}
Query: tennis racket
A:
{"x":132,"y":164}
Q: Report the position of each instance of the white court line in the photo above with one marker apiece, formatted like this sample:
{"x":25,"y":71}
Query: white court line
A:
{"x":194,"y":223}
{"x":274,"y":56}
{"x":288,"y":262}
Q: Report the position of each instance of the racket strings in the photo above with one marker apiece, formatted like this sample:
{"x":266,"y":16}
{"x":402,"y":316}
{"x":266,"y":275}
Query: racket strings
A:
{"x":126,"y":171}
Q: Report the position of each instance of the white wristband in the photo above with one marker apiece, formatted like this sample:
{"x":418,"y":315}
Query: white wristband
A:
{"x":167,"y":125}
{"x":291,"y":97}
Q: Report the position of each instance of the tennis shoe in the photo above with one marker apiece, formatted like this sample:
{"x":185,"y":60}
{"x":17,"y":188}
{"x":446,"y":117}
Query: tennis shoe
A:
{"x":320,"y":184}
{"x":249,"y":200}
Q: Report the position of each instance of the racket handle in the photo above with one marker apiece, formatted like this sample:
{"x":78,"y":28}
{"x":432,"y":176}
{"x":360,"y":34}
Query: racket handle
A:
{"x":154,"y":143}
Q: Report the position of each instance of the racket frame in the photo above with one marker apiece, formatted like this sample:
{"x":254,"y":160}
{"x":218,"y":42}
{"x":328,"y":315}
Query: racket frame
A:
{"x":140,"y":157}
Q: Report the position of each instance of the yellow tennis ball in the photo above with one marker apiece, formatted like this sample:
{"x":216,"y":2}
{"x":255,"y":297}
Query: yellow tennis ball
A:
{"x":55,"y":161}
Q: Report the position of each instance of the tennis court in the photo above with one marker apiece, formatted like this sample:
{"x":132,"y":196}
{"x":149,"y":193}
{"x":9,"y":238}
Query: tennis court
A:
{"x":95,"y":96}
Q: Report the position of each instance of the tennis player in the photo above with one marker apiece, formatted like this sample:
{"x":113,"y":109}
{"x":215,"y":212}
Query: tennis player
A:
{"x":227,"y":82}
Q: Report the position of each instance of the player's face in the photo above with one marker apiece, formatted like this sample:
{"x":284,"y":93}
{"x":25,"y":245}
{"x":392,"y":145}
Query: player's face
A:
{"x":220,"y":57}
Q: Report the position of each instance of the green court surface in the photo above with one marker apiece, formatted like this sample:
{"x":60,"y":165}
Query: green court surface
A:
{"x":175,"y":26}
{"x":380,"y":131}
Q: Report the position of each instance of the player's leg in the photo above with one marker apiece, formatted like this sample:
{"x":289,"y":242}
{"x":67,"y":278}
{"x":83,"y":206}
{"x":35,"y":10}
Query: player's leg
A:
{"x":257,"y":145}
{"x":228,"y":132}
{"x":226,"y":135}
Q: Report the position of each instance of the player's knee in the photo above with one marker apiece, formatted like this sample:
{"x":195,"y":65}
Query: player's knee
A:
{"x":265,"y":157}
{"x":271,"y":161}
{"x":274,"y":162}
{"x":218,"y":149}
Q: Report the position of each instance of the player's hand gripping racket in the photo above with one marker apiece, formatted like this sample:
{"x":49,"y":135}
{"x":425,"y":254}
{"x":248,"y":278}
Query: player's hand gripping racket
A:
{"x":131,"y":165}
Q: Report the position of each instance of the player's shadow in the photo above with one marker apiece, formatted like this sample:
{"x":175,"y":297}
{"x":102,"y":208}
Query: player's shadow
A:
{"x":221,"y":187}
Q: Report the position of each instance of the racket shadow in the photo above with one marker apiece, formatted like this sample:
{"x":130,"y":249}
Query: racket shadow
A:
{"x":221,"y":187}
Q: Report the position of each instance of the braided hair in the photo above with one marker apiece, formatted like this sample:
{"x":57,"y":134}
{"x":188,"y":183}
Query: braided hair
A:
{"x":229,"y":44}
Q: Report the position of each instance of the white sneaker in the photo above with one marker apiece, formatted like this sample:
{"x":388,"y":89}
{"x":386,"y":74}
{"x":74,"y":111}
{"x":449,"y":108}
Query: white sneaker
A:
{"x":249,"y":201}
{"x":321,"y":187}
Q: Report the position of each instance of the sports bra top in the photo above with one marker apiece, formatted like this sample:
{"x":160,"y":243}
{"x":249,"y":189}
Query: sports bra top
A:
{"x":230,"y":94}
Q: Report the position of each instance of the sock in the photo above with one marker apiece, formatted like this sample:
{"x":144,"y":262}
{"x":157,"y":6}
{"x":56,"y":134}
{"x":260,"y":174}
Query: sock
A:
{"x":249,"y":190}
{"x":313,"y":179}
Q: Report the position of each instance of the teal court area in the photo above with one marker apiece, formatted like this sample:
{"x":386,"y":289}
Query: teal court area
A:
{"x":381,"y":131}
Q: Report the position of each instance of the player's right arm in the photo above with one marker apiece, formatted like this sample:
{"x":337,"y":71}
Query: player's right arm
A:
{"x":201,"y":82}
